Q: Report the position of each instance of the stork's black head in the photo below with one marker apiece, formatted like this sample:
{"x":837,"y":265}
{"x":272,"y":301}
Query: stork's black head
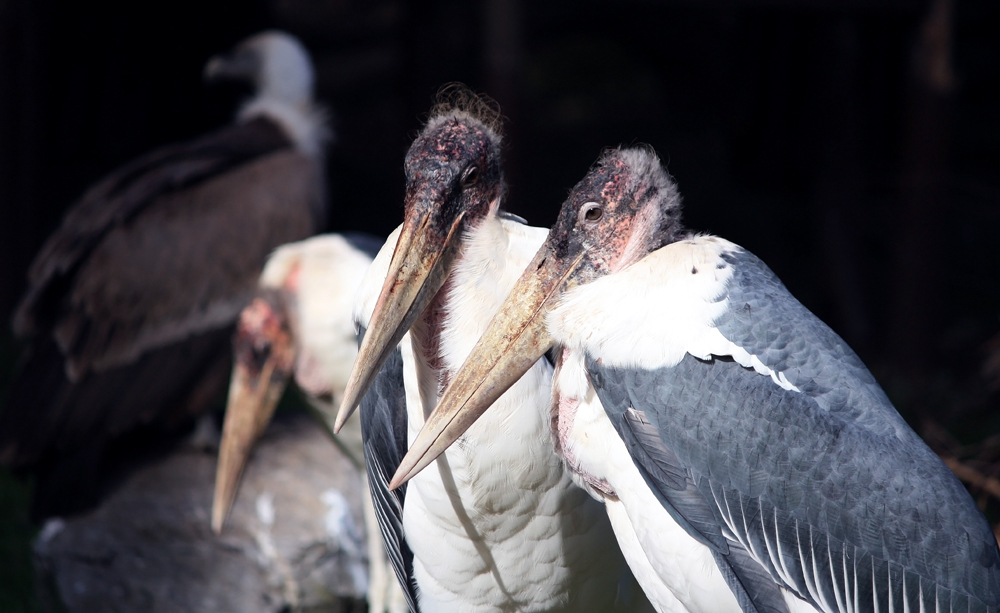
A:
{"x":626,"y":207}
{"x":453,"y":183}
{"x":453,"y":168}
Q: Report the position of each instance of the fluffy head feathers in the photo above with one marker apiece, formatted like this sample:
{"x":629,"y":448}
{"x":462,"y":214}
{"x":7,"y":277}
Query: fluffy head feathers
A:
{"x":457,"y":100}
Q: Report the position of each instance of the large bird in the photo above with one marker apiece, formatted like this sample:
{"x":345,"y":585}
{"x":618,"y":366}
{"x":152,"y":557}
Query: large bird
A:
{"x":131,"y":302}
{"x":746,"y":457}
{"x":300,"y":325}
{"x":497,"y":525}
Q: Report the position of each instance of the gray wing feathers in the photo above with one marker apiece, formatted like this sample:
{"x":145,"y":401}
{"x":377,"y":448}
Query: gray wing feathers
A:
{"x":755,"y":590}
{"x":801,"y":491}
{"x":669,"y":481}
{"x":767,"y":321}
{"x":383,"y":432}
{"x":828,"y":489}
{"x":512,"y":217}
{"x":663,"y":464}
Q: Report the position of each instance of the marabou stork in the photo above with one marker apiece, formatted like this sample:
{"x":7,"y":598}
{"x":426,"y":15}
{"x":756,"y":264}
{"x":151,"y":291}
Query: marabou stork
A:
{"x":498,"y":525}
{"x":300,"y":324}
{"x":746,"y":457}
{"x":131,"y":302}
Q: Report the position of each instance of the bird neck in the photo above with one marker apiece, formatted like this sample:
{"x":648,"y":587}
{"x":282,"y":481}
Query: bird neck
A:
{"x":484,"y":272}
{"x":303,"y":122}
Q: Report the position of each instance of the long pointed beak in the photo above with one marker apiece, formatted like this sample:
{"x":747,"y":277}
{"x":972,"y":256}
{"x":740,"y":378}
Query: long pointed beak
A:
{"x":515,"y":339}
{"x":420,"y":265}
{"x":251,"y":404}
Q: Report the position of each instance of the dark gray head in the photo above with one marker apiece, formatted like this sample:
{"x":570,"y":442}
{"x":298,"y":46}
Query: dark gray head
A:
{"x":453,"y":171}
{"x":453,"y":182}
{"x":626,"y":207}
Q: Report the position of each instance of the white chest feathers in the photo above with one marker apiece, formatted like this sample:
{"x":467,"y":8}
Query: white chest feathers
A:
{"x":495,"y":524}
{"x":655,"y":311}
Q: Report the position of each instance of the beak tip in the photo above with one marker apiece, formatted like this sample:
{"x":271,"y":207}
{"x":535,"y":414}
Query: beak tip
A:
{"x":341,"y":420}
{"x":218,"y":518}
{"x":348,"y":404}
{"x":407,"y":469}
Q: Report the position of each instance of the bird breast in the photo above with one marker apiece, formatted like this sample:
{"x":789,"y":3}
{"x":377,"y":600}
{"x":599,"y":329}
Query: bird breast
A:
{"x":495,"y":523}
{"x":569,"y":435}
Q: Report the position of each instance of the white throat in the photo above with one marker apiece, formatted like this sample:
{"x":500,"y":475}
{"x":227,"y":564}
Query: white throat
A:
{"x":304,"y":123}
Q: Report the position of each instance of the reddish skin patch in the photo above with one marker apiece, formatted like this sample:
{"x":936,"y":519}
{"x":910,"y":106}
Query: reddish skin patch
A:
{"x":261,"y":333}
{"x":428,"y":335}
{"x":620,"y":211}
{"x":436,"y":161}
{"x":563,"y":413}
{"x":292,"y":280}
{"x":623,"y":232}
{"x":257,"y":318}
{"x":435,"y":165}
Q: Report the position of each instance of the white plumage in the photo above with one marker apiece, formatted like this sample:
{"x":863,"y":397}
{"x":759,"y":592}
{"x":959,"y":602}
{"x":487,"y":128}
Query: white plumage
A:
{"x":498,"y":526}
{"x":746,"y":457}
{"x":655,"y":312}
{"x":323,"y":274}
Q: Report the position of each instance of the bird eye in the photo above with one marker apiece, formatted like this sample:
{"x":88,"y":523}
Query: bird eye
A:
{"x":592,"y":211}
{"x":471,"y":176}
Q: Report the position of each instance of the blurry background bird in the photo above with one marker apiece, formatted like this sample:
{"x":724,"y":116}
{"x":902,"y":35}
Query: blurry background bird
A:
{"x":131,"y":302}
{"x":300,"y":326}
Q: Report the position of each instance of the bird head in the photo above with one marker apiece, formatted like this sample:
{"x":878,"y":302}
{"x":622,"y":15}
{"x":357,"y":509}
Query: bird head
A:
{"x":453,"y":183}
{"x":624,"y":208}
{"x":264,"y":357}
{"x":275,"y":63}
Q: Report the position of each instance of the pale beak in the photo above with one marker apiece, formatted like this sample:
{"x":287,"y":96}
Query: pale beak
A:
{"x":251,"y":404}
{"x":514,"y":340}
{"x":420,"y":265}
{"x":239,"y":65}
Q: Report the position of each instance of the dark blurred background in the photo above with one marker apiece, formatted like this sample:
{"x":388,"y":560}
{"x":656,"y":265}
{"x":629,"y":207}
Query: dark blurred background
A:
{"x":853,"y":145}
